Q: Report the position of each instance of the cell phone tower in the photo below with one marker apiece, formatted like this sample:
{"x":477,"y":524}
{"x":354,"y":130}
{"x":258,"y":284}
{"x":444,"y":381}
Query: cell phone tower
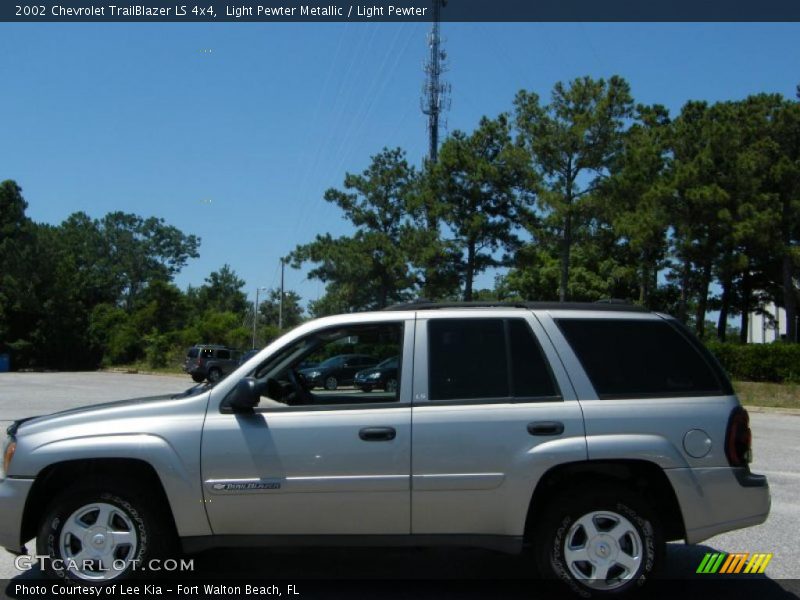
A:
{"x":435,"y":92}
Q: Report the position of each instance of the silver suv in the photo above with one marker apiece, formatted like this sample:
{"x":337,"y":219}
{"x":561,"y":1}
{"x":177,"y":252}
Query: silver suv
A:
{"x":589,"y":433}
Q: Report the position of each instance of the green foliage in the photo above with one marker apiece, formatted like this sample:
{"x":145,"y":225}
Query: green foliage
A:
{"x":573,"y":141}
{"x":371,"y":268}
{"x":81,"y":293}
{"x":214,"y":327}
{"x":270,"y":311}
{"x":221,"y":292}
{"x":157,"y":349}
{"x":140,"y":250}
{"x":18,"y":259}
{"x":778,"y":362}
{"x":480,"y":184}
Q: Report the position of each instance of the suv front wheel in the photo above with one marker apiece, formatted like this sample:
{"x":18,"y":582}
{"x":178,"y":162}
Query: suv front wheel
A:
{"x":601,"y":543}
{"x":97,"y":533}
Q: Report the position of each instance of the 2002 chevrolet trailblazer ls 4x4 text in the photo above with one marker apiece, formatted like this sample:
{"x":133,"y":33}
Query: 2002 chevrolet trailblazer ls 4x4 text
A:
{"x":591,"y":433}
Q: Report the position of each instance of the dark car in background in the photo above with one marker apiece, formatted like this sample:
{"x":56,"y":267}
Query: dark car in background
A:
{"x":210,"y":362}
{"x":337,"y":370}
{"x":248,"y":355}
{"x":382,"y":376}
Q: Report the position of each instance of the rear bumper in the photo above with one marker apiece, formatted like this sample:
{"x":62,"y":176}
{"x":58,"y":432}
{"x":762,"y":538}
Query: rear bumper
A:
{"x":13,"y":494}
{"x":716,"y":500}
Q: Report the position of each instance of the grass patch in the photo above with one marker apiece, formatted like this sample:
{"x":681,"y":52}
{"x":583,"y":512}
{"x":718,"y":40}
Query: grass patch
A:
{"x":779,"y":395}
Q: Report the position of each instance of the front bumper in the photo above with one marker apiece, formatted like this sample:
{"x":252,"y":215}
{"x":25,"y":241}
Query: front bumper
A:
{"x":13,"y":495}
{"x":720,"y":499}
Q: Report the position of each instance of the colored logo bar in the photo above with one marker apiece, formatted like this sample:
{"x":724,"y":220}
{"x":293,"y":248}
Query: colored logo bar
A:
{"x":739,"y":562}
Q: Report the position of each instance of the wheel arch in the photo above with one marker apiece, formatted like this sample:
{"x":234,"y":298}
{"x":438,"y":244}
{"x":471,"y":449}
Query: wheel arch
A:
{"x":59,"y":476}
{"x":644,"y":477}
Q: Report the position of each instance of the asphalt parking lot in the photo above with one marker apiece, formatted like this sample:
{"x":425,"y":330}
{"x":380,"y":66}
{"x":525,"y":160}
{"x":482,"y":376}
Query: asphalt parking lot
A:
{"x":777,"y":445}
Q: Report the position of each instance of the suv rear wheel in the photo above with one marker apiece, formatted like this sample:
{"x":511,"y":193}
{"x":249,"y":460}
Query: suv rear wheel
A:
{"x":101,"y":532}
{"x":601,"y":543}
{"x":214,"y":375}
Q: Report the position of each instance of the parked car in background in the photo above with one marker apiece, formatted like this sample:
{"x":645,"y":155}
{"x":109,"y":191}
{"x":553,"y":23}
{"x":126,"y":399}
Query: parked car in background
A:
{"x":382,"y":376}
{"x":210,"y":362}
{"x":337,"y":370}
{"x":248,"y":355}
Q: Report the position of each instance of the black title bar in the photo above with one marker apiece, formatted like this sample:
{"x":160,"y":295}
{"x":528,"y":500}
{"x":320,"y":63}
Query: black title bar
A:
{"x":243,"y":11}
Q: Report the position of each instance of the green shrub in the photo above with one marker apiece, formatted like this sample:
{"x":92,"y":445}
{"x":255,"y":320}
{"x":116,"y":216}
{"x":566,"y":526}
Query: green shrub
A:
{"x":156,"y":349}
{"x":778,"y":362}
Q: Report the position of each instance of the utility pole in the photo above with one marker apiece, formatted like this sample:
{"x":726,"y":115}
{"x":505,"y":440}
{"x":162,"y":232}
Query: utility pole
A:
{"x":435,"y":92}
{"x":280,"y":305}
{"x":255,"y":314}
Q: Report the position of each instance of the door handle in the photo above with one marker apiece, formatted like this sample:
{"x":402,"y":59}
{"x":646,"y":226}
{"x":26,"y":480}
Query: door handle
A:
{"x":546,"y":428}
{"x":377,"y":434}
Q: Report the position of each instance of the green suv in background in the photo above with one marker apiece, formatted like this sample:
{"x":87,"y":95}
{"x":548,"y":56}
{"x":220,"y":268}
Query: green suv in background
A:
{"x":210,"y":362}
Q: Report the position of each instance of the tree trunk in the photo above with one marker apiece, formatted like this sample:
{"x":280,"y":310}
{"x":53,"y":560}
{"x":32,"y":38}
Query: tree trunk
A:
{"x":702,"y":300}
{"x":747,"y":292}
{"x":722,"y":322}
{"x":470,"y":272}
{"x":566,"y":246}
{"x":649,"y":278}
{"x":683,"y":303}
{"x":383,"y":300}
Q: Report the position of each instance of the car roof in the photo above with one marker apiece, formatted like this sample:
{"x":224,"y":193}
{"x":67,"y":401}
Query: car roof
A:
{"x":611,"y":305}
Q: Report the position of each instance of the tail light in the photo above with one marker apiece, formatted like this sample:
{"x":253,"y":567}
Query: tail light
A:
{"x":739,"y":439}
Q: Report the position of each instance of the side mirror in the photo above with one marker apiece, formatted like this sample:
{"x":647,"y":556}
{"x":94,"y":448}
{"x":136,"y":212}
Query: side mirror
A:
{"x":244,"y":397}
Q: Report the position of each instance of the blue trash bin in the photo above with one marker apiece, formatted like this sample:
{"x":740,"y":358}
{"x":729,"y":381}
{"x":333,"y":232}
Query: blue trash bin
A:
{"x":5,"y":363}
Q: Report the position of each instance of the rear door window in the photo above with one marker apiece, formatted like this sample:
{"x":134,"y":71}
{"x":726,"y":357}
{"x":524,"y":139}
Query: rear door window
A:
{"x":487,"y":359}
{"x":626,"y":358}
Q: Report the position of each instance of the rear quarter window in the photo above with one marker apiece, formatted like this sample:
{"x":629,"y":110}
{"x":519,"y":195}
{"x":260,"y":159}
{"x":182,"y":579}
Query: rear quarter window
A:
{"x":627,"y":358}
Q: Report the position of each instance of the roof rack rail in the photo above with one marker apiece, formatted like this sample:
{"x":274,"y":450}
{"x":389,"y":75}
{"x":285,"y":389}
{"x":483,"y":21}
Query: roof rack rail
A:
{"x":599,"y":305}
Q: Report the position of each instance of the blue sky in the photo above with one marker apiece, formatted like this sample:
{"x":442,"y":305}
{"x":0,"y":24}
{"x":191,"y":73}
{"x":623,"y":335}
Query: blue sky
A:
{"x":234,"y":131}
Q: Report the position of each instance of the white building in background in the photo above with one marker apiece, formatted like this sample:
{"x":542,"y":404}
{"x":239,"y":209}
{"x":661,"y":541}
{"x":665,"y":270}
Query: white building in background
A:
{"x":766,"y":327}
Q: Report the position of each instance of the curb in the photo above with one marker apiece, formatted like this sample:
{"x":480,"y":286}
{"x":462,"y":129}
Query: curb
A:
{"x":138,"y":372}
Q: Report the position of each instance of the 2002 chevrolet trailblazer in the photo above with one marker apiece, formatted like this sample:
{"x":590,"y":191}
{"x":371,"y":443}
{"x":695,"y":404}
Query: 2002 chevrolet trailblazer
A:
{"x":590,"y":433}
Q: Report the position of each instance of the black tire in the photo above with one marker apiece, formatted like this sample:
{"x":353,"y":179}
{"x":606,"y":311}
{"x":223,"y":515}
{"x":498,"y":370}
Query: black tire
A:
{"x":214,"y":375}
{"x":331,"y":383}
{"x":391,"y":385}
{"x":560,"y":539}
{"x":198,"y":378}
{"x":147,"y":524}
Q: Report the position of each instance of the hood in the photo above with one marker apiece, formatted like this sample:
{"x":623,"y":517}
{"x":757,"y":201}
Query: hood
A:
{"x":136,"y":404}
{"x":368,"y":371}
